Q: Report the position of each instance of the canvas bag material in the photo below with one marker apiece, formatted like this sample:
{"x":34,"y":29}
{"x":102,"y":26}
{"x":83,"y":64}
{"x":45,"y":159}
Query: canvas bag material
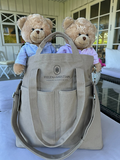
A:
{"x":56,"y":104}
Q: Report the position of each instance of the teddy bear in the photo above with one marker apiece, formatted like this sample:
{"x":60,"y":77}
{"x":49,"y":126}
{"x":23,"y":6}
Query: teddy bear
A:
{"x":82,"y":32}
{"x":34,"y":28}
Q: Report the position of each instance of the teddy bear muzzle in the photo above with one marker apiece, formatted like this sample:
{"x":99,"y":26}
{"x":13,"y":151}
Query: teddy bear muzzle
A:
{"x":37,"y":35}
{"x":82,"y":41}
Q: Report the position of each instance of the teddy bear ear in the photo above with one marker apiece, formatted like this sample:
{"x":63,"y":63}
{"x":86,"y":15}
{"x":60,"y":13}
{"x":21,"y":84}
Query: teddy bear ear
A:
{"x":95,"y":28}
{"x":21,"y":22}
{"x":49,"y":22}
{"x":67,"y":22}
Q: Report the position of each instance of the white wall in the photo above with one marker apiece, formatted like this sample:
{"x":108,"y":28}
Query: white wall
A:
{"x":43,"y":7}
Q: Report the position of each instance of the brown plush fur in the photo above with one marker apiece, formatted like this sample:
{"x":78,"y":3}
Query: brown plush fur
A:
{"x":82,"y":32}
{"x":34,"y":29}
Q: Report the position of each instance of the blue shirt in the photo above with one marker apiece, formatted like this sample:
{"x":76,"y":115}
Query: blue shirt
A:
{"x":29,"y":50}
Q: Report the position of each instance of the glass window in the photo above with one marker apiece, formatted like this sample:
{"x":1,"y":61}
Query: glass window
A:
{"x":117,"y":23}
{"x":94,"y":10}
{"x":94,"y":47}
{"x":116,"y":36}
{"x":54,"y":38}
{"x":101,"y":51}
{"x":19,"y":16}
{"x":95,"y":22}
{"x":20,"y":37}
{"x":54,"y":28}
{"x":102,"y":24}
{"x":95,"y":39}
{"x":117,"y":27}
{"x":53,"y":20}
{"x":118,"y":5}
{"x":9,"y":34}
{"x":104,"y":21}
{"x":7,"y":17}
{"x":115,"y":47}
{"x":103,"y":36}
{"x":83,"y":13}
{"x":75,"y":15}
{"x":9,"y":26}
{"x":105,"y":7}
{"x":9,"y":23}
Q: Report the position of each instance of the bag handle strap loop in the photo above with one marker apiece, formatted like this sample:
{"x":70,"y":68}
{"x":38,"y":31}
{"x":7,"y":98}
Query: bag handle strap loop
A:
{"x":57,"y":34}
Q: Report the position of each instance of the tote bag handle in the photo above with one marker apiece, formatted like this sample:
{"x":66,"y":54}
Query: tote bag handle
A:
{"x":57,"y":34}
{"x":80,"y":83}
{"x":20,"y":135}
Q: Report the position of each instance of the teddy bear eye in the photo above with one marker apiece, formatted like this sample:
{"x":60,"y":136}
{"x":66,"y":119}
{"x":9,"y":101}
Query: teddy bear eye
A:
{"x":32,"y":29}
{"x":87,"y":35}
{"x":41,"y":28}
{"x":79,"y":34}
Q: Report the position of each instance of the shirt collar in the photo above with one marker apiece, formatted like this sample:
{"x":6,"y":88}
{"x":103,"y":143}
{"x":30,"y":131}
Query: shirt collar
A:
{"x":47,"y":44}
{"x":78,"y":49}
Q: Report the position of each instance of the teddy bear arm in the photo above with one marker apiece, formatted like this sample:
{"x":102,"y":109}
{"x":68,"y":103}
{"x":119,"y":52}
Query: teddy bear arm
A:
{"x":64,"y":49}
{"x":22,"y":56}
{"x":52,"y":48}
{"x":98,"y":67}
{"x":18,"y":68}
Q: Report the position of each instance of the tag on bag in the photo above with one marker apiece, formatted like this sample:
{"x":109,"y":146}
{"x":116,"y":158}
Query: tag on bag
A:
{"x":96,"y":77}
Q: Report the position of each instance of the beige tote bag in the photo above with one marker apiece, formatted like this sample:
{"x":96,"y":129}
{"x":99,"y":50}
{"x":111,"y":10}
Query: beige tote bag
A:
{"x":56,"y":104}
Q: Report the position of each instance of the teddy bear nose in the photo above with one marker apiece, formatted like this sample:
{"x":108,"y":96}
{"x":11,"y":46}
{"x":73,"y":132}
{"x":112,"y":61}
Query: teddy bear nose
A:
{"x":37,"y":32}
{"x":84,"y":38}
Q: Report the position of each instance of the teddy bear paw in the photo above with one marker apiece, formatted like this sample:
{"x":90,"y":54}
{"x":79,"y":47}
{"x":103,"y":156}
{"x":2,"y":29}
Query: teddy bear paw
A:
{"x":98,"y":67}
{"x":18,"y":68}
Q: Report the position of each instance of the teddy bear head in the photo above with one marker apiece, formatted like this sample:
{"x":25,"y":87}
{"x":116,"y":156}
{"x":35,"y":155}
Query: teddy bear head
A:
{"x":81,"y":31}
{"x":34,"y":28}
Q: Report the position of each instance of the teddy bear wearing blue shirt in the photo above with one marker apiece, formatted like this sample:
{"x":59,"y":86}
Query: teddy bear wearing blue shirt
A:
{"x":34,"y":29}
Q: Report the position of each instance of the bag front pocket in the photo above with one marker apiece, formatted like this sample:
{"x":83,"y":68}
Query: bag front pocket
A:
{"x":47,"y":115}
{"x":68,"y":108}
{"x":45,"y":105}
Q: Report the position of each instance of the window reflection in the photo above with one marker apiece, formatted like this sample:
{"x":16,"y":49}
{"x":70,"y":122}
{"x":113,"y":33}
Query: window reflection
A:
{"x":117,"y":23}
{"x":115,"y":47}
{"x":53,"y":21}
{"x":95,"y":39}
{"x":105,"y":7}
{"x":101,"y":52}
{"x":9,"y":34}
{"x":95,"y":22}
{"x":75,"y":15}
{"x":118,"y":5}
{"x":20,"y":37}
{"x":20,"y":15}
{"x":83,"y":13}
{"x":116,"y":36}
{"x":94,"y":10}
{"x":53,"y":39}
{"x":103,"y":36}
{"x":104,"y":21}
{"x":6,"y":17}
{"x":94,"y":47}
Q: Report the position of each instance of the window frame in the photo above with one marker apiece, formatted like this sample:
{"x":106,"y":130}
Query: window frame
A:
{"x":112,"y":25}
{"x":79,"y":9}
{"x":99,"y":16}
{"x":55,"y":17}
{"x":15,"y":24}
{"x":16,"y":27}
